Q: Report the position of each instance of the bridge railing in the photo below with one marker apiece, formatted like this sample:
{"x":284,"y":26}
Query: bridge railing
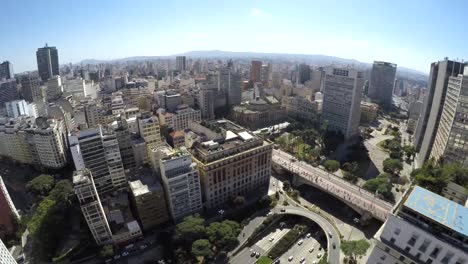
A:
{"x":331,"y":176}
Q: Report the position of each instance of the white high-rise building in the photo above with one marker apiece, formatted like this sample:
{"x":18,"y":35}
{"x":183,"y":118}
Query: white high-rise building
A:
{"x":342,"y":100}
{"x":181,"y":182}
{"x":5,"y":255}
{"x":91,"y":206}
{"x":98,"y":151}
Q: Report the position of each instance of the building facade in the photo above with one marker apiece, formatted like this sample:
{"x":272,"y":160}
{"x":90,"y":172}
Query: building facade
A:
{"x":342,"y":100}
{"x":31,"y":88}
{"x":6,"y":70}
{"x":7,"y":212}
{"x":181,"y":64}
{"x":231,"y":162}
{"x":255,"y":71}
{"x":8,"y":91}
{"x":91,"y":206}
{"x":382,"y":82}
{"x":431,"y":112}
{"x":368,"y":112}
{"x":5,"y":255}
{"x":47,"y":62}
{"x":181,"y":182}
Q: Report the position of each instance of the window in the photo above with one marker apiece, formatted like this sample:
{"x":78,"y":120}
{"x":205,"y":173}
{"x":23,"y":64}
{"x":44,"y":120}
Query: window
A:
{"x":387,"y":249}
{"x":392,"y":240}
{"x":397,"y":231}
{"x":412,"y":240}
{"x":407,"y":249}
{"x":401,"y":258}
{"x":383,"y":257}
{"x":424,"y":245}
{"x":435,"y":252}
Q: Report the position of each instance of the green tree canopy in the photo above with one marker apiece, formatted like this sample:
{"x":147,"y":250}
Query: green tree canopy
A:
{"x":223,"y":233}
{"x":190,"y":229}
{"x":331,"y":165}
{"x":435,"y":176}
{"x":106,"y":251}
{"x":380,"y":185}
{"x":393,"y":166}
{"x":354,"y":248}
{"x":202,"y":248}
{"x":41,"y":185}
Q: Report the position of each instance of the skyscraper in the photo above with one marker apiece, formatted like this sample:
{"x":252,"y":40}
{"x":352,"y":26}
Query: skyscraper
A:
{"x":342,"y":100}
{"x":181,"y":63}
{"x":6,"y":70}
{"x":8,"y":91}
{"x":98,"y":151}
{"x":304,"y":73}
{"x":382,"y":83}
{"x":452,"y":132}
{"x":230,"y":83}
{"x":434,"y":100}
{"x":255,"y":71}
{"x":47,"y":62}
{"x":30,"y":88}
{"x":5,"y":255}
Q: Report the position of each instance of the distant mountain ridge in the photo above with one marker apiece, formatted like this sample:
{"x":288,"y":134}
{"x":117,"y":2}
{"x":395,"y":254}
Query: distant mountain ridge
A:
{"x":311,"y":58}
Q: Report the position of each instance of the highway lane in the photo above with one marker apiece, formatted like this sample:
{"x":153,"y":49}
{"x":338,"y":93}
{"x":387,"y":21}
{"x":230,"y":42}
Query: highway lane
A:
{"x":333,"y":184}
{"x":327,"y":227}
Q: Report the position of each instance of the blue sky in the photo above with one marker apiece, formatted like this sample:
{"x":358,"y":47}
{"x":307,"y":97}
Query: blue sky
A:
{"x":410,"y":33}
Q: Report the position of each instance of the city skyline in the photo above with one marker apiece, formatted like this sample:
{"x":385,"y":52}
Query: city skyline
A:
{"x":405,"y":33}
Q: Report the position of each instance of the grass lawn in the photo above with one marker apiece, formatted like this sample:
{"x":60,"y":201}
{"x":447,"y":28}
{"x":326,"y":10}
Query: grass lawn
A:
{"x":264,"y":260}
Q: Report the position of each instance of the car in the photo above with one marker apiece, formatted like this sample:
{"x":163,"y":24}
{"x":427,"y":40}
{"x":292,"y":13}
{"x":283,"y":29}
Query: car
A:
{"x":320,"y":248}
{"x":330,"y":234}
{"x":117,"y":256}
{"x":277,"y":261}
{"x":251,"y":250}
{"x":253,"y":254}
{"x":319,"y":255}
{"x":108,"y":261}
{"x":302,"y":260}
{"x":143,"y":246}
{"x":300,"y":242}
{"x":314,"y":262}
{"x":125,"y":254}
{"x":308,"y":235}
{"x":283,"y":210}
{"x":257,"y":255}
{"x":290,"y":258}
{"x":311,"y":250}
{"x":271,"y":239}
{"x":270,"y":213}
{"x":334,"y":246}
{"x":281,"y":192}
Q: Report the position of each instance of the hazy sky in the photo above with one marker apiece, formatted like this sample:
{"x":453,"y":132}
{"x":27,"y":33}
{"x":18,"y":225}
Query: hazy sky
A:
{"x":411,"y":33}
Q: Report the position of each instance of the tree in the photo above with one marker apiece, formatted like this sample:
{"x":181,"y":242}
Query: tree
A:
{"x":223,"y":233}
{"x":41,"y":185}
{"x":435,"y":176}
{"x":350,"y":167}
{"x":331,"y":165}
{"x":295,"y":194}
{"x":354,"y":248}
{"x":380,"y":185}
{"x":106,"y":251}
{"x":202,"y":248}
{"x":410,"y":151}
{"x":238,"y":200}
{"x":265,"y":200}
{"x":190,"y":229}
{"x":393,"y":166}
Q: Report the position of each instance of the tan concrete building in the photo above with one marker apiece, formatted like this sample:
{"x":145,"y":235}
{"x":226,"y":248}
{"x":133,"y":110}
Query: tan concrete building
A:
{"x":232,"y":161}
{"x":368,"y":112}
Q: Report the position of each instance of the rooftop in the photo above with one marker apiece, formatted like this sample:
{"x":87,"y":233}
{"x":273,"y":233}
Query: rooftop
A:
{"x":438,"y":209}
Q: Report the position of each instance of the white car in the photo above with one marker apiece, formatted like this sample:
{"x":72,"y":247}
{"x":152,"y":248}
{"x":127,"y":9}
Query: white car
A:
{"x":308,"y":235}
{"x":319,"y":255}
{"x":125,"y":254}
{"x":314,"y":262}
{"x":302,"y":260}
{"x":271,"y":239}
{"x":311,"y":249}
{"x":290,"y":258}
{"x":300,"y":242}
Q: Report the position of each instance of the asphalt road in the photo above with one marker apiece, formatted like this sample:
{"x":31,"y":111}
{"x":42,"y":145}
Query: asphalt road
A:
{"x":302,"y":251}
{"x":333,"y":253}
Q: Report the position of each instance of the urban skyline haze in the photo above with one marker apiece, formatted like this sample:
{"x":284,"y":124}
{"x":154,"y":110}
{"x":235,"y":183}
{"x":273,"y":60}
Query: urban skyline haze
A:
{"x":411,"y":34}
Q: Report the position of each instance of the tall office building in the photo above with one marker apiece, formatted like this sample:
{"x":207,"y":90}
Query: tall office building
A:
{"x":304,"y":73}
{"x":423,"y":228}
{"x":255,"y":71}
{"x":47,"y":62}
{"x":91,"y":206}
{"x":181,"y":63}
{"x":54,"y":88}
{"x":265,"y":74}
{"x":206,"y":102}
{"x":231,"y":161}
{"x":149,"y":130}
{"x":124,"y":139}
{"x":17,"y":108}
{"x":434,"y":100}
{"x":342,"y":100}
{"x":230,"y":83}
{"x":452,"y":132}
{"x":181,"y":182}
{"x":382,"y":82}
{"x":98,"y":151}
{"x":6,"y":70}
{"x":30,"y":88}
{"x":8,"y":91}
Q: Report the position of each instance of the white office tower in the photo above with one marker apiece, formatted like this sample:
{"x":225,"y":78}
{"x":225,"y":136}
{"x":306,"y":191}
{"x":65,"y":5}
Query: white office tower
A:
{"x":342,"y":100}
{"x":98,"y":151}
{"x":423,"y":228}
{"x":91,"y":206}
{"x":54,"y":88}
{"x":17,"y":108}
{"x":181,"y":182}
